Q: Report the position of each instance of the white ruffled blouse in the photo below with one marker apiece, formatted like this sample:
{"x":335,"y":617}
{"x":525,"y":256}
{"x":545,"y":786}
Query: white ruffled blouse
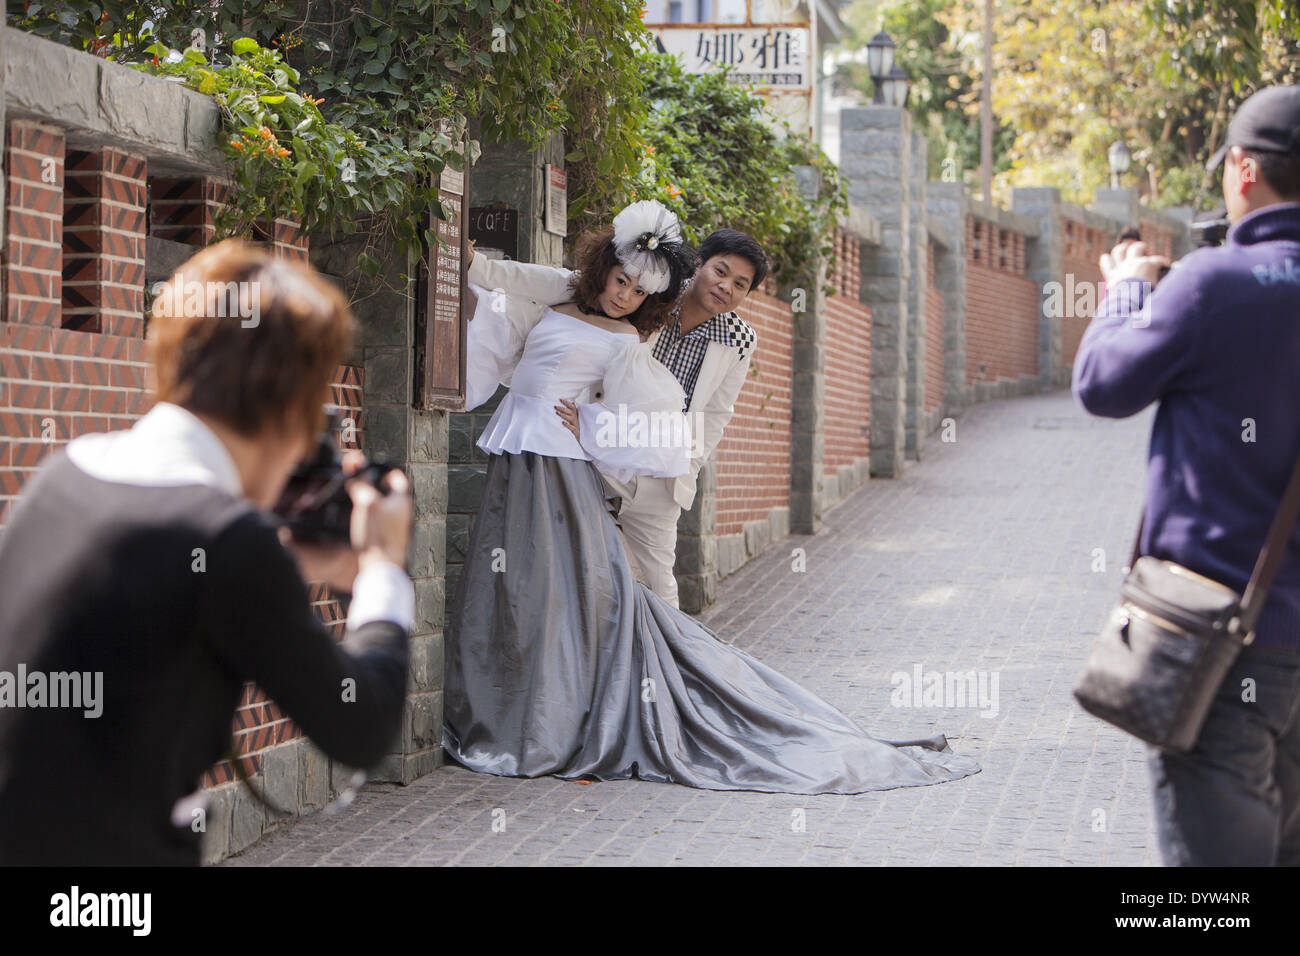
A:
{"x":638,"y":427}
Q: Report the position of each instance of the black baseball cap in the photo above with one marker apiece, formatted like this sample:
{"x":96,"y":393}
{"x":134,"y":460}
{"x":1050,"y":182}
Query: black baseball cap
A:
{"x":1269,"y":120}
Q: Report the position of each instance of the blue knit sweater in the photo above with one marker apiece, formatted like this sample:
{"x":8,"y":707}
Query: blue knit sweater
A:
{"x":1218,"y":344}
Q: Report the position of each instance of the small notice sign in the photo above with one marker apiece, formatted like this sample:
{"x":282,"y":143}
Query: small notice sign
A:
{"x":557,"y":200}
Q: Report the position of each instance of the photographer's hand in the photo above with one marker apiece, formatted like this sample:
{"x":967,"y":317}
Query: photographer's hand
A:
{"x":381,"y":523}
{"x":1131,"y":259}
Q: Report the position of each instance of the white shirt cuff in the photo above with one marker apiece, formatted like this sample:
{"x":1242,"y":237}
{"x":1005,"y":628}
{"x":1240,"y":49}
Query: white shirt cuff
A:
{"x":382,"y":592}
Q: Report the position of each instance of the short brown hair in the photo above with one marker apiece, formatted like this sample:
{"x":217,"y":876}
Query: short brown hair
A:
{"x":267,"y":364}
{"x":593,"y":258}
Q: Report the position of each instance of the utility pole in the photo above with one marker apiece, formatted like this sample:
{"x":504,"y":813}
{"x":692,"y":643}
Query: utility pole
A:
{"x":986,"y":108}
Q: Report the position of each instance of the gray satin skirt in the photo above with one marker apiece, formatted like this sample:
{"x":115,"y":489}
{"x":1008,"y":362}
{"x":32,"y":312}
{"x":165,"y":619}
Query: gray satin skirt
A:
{"x":558,"y":662}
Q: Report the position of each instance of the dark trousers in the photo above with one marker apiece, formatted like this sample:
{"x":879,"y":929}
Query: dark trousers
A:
{"x":1234,"y":798}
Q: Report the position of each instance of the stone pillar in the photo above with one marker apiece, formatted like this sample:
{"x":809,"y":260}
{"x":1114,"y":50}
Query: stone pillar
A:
{"x":914,"y":415}
{"x":946,"y":203}
{"x":875,"y":158}
{"x":1043,"y":264}
{"x":394,"y":428}
{"x":1185,"y":215}
{"x":1118,"y":204}
{"x":808,"y":409}
{"x":697,"y":546}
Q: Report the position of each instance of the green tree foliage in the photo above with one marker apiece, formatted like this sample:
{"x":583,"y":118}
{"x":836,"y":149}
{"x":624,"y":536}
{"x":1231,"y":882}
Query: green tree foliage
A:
{"x":943,"y":66}
{"x":1072,"y":76}
{"x":716,"y":162}
{"x":405,"y":76}
{"x":344,"y":112}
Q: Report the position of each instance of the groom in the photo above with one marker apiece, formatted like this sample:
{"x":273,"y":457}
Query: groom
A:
{"x":706,"y":346}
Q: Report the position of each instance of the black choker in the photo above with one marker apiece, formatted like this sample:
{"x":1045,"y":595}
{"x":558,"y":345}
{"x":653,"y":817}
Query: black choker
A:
{"x":586,"y":311}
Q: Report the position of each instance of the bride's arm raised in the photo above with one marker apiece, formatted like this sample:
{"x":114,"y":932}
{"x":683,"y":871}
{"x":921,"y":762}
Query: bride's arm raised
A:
{"x":544,"y":284}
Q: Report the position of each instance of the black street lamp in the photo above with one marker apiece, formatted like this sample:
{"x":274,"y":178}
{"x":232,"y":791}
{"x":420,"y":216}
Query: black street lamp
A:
{"x":890,"y":81}
{"x":1119,"y":157}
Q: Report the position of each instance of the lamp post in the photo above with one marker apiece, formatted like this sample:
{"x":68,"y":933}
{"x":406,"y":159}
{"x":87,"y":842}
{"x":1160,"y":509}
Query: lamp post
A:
{"x":889,"y":79}
{"x":1120,"y":158}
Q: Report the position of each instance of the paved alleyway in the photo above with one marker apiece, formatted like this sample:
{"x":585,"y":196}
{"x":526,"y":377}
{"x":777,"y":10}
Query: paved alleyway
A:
{"x":979,"y":558}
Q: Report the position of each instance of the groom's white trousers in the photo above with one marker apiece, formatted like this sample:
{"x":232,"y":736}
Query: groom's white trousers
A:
{"x":648,"y":520}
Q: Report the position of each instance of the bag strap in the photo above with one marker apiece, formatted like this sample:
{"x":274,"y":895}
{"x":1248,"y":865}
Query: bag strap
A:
{"x":1270,"y":558}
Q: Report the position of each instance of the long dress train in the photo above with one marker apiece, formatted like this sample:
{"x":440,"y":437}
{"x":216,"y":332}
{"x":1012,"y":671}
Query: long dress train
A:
{"x":559,"y":662}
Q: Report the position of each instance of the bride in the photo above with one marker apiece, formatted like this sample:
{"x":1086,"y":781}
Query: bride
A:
{"x":557,"y":660}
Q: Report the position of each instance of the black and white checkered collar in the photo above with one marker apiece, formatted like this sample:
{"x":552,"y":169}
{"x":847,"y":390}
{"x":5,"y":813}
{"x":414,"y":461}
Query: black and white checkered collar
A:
{"x":725,"y":328}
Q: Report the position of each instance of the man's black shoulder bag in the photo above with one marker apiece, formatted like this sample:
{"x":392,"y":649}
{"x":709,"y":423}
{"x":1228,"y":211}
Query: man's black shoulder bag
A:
{"x":1165,"y":649}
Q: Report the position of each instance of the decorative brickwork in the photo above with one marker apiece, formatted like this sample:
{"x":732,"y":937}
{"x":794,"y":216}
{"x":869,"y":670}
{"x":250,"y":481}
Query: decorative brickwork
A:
{"x":104,"y":242}
{"x":33,"y":242}
{"x":848,"y":379}
{"x":753,"y":458}
{"x":934,"y":368}
{"x":1001,"y":306}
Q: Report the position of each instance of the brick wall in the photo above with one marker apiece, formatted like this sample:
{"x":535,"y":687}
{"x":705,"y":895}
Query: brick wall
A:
{"x":33,"y":242}
{"x":1158,"y":238}
{"x":848,"y":363}
{"x":72,"y":349}
{"x":1001,"y":305}
{"x":753,"y":458}
{"x":934,"y":378}
{"x":1082,"y":248}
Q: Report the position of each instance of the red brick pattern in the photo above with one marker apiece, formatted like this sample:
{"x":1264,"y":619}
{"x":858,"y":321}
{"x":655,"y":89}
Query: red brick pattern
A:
{"x":1080,"y":266}
{"x":1158,"y":239}
{"x":184,"y":209}
{"x":934,"y":375}
{"x":848,"y":382}
{"x":72,"y":352}
{"x":846,"y":277}
{"x":1001,"y":305}
{"x":34,"y":224}
{"x":104,"y":242}
{"x":753,"y":458}
{"x":57,"y":384}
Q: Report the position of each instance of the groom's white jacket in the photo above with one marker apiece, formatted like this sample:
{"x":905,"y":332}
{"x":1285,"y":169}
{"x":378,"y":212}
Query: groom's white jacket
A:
{"x":722,"y":373}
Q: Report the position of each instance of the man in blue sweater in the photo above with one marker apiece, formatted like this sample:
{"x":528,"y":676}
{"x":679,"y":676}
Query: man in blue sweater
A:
{"x":1218,"y":344}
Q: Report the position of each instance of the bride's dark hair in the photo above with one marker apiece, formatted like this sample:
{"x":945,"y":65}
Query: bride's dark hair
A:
{"x":594,"y":256}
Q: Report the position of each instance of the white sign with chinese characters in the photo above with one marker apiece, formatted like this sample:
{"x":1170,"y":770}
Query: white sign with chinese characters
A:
{"x":760,"y":57}
{"x":557,"y":200}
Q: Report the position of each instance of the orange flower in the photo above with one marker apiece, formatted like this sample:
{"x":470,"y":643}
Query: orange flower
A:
{"x":282,"y":152}
{"x":650,"y":150}
{"x":236,"y":144}
{"x":674,"y":191}
{"x":266,"y":132}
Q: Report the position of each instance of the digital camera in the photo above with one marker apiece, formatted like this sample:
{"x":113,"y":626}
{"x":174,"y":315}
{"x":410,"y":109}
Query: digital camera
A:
{"x":315,"y":505}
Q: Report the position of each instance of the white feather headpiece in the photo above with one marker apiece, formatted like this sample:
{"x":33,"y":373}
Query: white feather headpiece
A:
{"x":640,"y":233}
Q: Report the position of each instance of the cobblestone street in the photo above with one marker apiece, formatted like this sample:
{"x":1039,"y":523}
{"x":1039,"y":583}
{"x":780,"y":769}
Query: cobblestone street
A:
{"x":981,"y":557}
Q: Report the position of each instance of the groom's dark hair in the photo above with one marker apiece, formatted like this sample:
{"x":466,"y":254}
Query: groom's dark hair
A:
{"x":729,"y":242}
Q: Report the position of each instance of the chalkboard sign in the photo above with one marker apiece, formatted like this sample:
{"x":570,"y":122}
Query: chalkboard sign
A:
{"x":495,"y":227}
